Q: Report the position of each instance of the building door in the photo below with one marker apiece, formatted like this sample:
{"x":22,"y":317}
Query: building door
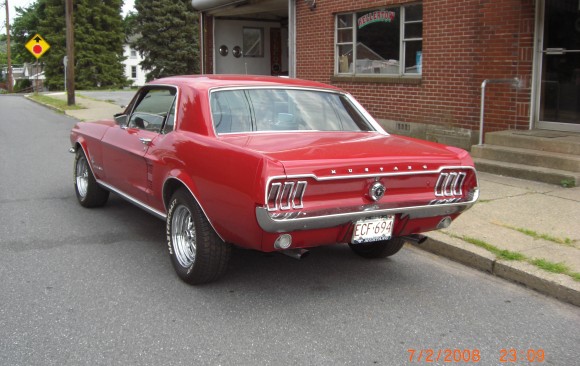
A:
{"x":559,"y":84}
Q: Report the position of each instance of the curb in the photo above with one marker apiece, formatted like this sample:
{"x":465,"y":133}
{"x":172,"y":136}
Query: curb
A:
{"x":27,"y":96}
{"x":559,"y":286}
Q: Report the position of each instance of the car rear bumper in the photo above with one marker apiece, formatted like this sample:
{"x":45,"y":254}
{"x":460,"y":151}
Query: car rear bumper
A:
{"x":304,"y":220}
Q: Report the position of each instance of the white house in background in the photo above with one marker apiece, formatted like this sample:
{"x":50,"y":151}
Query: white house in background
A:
{"x":133,"y":70}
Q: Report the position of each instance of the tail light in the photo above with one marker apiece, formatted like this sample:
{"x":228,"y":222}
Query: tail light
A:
{"x":286,"y":196}
{"x":450,"y":184}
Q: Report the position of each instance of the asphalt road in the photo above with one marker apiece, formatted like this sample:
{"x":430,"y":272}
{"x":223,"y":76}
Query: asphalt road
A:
{"x":95,"y":287}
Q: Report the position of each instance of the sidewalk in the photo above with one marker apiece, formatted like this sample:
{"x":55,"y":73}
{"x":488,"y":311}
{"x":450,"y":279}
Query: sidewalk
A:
{"x":514,"y":218}
{"x":93,"y":109}
{"x":535,"y":222}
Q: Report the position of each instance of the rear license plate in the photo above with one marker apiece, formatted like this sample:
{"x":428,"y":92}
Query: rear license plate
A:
{"x":370,"y":230}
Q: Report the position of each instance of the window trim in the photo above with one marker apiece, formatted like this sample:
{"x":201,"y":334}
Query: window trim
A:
{"x":411,"y":78}
{"x":369,"y":119}
{"x":139,"y":97}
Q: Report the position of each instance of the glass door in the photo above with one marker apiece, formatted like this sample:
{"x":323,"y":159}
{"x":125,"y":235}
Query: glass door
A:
{"x":559,"y":104}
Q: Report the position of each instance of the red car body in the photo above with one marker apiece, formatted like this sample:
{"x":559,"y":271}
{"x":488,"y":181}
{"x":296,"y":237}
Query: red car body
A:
{"x":254,"y":186}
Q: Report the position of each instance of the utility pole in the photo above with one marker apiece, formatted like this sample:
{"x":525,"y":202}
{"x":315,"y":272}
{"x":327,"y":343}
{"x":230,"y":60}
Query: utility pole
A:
{"x":9,"y":76}
{"x":70,"y":53}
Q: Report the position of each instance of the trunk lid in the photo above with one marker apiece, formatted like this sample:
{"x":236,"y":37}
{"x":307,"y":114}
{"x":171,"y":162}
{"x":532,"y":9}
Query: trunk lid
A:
{"x":331,"y":154}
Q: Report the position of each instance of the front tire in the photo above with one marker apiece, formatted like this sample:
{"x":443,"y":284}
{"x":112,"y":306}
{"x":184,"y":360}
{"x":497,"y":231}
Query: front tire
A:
{"x":88,"y":191}
{"x":197,"y":253}
{"x":379,"y":249}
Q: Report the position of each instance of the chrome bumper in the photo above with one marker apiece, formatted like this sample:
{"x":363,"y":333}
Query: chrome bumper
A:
{"x":295,"y":221}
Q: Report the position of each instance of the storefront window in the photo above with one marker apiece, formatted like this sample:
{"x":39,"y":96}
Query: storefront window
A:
{"x":380,"y":42}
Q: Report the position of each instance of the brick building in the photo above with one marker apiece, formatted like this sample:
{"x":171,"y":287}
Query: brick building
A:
{"x":418,"y":67}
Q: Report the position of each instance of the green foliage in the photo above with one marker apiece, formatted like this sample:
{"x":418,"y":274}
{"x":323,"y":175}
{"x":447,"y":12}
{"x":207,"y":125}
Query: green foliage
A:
{"x":3,"y":58}
{"x":550,"y":266}
{"x":3,"y":55}
{"x":52,"y":27}
{"x":536,"y":235}
{"x":99,"y":38}
{"x":24,"y":27}
{"x":568,"y":183}
{"x":22,"y":85}
{"x":168,"y":41}
{"x":503,"y":254}
{"x":541,"y":263}
{"x":57,"y":104}
{"x":129,"y":25}
{"x":559,"y":267}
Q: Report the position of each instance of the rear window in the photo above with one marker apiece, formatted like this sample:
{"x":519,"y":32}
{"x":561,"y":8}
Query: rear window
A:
{"x":249,"y":110}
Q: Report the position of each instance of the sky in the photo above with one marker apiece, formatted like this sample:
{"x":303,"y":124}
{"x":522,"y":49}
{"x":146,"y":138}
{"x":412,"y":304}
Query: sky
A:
{"x":128,"y":6}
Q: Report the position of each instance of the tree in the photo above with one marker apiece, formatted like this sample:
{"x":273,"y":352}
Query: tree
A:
{"x":24,"y":27}
{"x":3,"y":56}
{"x":168,"y":39}
{"x":129,"y":25}
{"x":99,"y":41}
{"x":3,"y":60}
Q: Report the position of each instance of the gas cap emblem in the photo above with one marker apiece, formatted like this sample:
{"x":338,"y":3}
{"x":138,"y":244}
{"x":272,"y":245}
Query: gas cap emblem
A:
{"x":377,"y":191}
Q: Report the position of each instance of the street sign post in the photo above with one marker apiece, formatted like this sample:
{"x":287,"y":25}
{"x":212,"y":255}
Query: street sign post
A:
{"x":37,"y":46}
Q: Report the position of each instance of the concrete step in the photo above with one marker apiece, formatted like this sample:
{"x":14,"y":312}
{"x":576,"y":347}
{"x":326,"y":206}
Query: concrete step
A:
{"x":542,"y":140}
{"x":528,"y":156}
{"x":539,"y":174}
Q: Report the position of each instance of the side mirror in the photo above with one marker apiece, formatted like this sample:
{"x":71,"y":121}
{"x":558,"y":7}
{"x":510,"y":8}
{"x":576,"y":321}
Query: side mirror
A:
{"x":121,"y":119}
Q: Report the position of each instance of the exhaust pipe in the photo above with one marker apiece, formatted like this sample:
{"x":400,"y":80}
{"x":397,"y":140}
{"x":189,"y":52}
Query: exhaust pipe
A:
{"x":295,"y":253}
{"x":415,"y":238}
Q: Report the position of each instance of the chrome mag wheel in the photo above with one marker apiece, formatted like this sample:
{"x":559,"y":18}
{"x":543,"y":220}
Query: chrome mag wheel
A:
{"x":183,"y":236}
{"x":87,"y":190}
{"x":82,"y":176}
{"x":197,"y":253}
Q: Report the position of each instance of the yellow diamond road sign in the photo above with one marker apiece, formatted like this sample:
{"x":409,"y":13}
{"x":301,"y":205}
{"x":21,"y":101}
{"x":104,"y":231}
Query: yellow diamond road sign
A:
{"x":37,"y":46}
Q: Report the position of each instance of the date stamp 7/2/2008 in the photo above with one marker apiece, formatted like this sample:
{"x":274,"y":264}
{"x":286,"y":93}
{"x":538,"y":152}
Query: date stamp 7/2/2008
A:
{"x":449,"y":355}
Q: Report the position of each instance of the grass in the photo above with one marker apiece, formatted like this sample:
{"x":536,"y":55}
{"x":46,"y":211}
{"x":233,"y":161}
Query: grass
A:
{"x":550,"y":266}
{"x":500,"y":253}
{"x":54,"y":102}
{"x":568,"y":183}
{"x":534,"y":234}
{"x":560,"y":268}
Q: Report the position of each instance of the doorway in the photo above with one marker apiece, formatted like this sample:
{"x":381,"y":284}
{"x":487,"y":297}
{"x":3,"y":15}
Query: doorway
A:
{"x":558,"y":107}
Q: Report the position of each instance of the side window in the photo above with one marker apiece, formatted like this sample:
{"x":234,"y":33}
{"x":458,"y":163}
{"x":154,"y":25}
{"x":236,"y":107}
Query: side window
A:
{"x":153,"y":109}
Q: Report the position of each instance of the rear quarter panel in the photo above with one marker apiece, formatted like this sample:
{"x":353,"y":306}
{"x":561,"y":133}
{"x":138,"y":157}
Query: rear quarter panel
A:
{"x":227,"y":181}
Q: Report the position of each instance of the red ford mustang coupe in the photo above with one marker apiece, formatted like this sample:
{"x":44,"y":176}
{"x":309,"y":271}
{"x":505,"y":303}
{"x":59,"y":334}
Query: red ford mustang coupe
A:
{"x":270,"y":164}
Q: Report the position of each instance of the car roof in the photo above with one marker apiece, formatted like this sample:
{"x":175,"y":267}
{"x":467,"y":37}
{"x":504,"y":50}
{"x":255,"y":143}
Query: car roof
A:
{"x":219,"y":81}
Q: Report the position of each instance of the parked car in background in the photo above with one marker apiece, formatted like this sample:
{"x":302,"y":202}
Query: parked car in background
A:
{"x":269,"y":164}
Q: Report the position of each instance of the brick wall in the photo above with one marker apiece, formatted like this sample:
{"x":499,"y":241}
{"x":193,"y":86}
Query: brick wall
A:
{"x":464,"y":42}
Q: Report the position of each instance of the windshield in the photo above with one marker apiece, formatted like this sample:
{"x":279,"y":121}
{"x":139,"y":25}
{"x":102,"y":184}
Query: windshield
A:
{"x":247,"y":110}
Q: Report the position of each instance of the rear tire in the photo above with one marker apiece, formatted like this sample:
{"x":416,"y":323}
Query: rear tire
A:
{"x":89,"y":192}
{"x":197,"y":253}
{"x":379,"y":249}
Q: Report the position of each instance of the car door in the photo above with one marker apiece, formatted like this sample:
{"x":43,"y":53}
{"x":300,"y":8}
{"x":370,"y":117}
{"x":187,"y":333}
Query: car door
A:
{"x":125,"y":146}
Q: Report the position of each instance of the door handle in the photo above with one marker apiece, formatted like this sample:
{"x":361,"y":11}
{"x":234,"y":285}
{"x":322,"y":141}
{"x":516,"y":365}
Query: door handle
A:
{"x":145,"y":141}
